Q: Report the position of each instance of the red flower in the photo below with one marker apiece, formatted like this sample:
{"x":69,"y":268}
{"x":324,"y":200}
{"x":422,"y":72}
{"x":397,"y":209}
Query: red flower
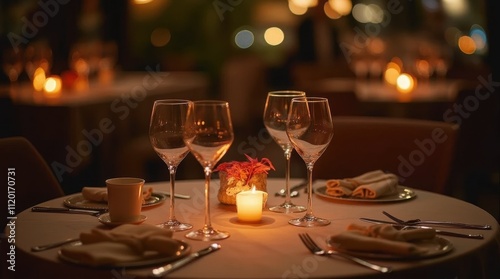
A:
{"x":245,"y":170}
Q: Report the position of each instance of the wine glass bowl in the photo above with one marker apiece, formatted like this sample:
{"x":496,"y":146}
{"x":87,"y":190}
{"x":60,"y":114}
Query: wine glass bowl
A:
{"x":275,"y":120}
{"x":166,"y":130}
{"x":310,"y":130}
{"x":208,"y":135}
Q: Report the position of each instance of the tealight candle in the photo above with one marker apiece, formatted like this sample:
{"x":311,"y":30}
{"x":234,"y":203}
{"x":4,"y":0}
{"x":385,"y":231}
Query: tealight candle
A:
{"x":249,"y":205}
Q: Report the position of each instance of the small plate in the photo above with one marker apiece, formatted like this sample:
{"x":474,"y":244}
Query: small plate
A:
{"x":78,"y":201}
{"x":403,"y":194}
{"x":435,"y":247}
{"x":182,"y":250}
{"x":104,"y":218}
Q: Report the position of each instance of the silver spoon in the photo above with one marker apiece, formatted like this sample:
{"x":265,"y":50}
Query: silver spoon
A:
{"x":294,"y":191}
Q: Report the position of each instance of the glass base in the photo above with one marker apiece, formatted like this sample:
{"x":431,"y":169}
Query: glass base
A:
{"x":309,"y":221}
{"x":288,"y":208}
{"x":175,"y":226}
{"x":207,"y":234}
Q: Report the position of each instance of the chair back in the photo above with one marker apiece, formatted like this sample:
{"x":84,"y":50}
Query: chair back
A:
{"x":419,"y":152}
{"x":29,"y":179}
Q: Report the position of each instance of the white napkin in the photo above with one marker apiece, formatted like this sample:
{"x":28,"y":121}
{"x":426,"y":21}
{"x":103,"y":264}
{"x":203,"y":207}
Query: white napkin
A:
{"x":369,"y":185}
{"x":122,"y":244}
{"x":382,"y":239}
{"x":100,"y":194}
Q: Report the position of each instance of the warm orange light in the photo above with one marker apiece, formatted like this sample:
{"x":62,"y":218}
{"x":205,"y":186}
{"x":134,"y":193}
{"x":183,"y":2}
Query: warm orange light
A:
{"x":466,"y":45}
{"x":52,"y":86}
{"x":343,"y":7}
{"x":38,"y":79}
{"x":423,"y":68}
{"x":391,"y":75}
{"x":405,"y":83}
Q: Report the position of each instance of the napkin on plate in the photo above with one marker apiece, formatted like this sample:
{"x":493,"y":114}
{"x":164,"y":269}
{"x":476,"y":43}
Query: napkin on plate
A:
{"x":125,"y":243}
{"x":100,"y":194}
{"x":369,"y":185}
{"x":382,"y":238}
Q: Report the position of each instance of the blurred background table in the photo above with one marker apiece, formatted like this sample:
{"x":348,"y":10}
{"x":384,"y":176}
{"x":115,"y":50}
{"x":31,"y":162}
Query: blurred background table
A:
{"x":89,"y":135}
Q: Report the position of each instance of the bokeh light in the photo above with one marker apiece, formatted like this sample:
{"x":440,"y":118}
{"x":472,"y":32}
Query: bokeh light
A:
{"x":296,"y":9}
{"x":467,"y":45}
{"x":274,"y":36}
{"x":244,"y":39}
{"x":342,"y":7}
{"x":160,"y":37}
{"x":330,"y":12}
{"x":368,"y":13}
{"x":405,"y":83}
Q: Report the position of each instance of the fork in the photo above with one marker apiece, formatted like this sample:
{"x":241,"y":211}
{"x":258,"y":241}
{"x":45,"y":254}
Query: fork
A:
{"x":315,"y":249}
{"x":437,"y":223}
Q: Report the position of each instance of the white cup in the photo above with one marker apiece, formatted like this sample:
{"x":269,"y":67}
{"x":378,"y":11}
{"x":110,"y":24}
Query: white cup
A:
{"x":124,"y":198}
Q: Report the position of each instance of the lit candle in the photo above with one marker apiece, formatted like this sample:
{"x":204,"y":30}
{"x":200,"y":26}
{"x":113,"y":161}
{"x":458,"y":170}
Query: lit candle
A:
{"x":249,"y":205}
{"x":52,"y":86}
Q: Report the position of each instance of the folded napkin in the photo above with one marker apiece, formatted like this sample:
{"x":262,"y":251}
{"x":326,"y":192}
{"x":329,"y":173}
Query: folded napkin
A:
{"x":369,"y":185}
{"x":382,"y":239}
{"x":100,"y":194}
{"x":124,"y":243}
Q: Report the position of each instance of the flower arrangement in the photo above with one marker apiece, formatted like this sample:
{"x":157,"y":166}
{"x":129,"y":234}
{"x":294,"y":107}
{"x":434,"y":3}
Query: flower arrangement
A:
{"x":242,"y":176}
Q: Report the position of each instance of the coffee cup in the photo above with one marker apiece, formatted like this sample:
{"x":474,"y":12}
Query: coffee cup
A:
{"x":124,"y":199}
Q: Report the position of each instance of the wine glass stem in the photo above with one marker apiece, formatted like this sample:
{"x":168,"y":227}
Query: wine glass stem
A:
{"x":288,"y":155}
{"x":172,"y":170}
{"x":309,"y":211}
{"x":208,"y":223}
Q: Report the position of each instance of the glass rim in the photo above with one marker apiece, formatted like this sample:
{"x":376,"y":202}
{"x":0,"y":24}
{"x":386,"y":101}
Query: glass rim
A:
{"x":309,"y":99}
{"x":287,"y":93}
{"x":172,"y":101}
{"x":211,"y":102}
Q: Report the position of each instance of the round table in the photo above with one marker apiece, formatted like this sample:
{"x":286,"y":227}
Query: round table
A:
{"x":271,"y":248}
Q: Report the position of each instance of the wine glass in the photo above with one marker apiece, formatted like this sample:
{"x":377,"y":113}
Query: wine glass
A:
{"x":310,"y":130}
{"x":275,"y":119}
{"x":208,"y":134}
{"x":166,"y":128}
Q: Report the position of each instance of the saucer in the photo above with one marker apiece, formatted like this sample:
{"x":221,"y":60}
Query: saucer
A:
{"x":104,"y":218}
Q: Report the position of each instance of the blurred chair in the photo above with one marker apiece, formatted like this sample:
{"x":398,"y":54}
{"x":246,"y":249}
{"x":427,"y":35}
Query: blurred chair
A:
{"x":419,"y":152}
{"x":34,"y":180}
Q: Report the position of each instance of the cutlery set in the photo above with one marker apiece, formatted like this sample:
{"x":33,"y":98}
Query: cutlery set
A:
{"x":398,"y":224}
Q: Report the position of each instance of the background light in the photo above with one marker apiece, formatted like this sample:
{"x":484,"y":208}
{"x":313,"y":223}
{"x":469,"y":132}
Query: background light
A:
{"x":244,"y":39}
{"x":274,"y":36}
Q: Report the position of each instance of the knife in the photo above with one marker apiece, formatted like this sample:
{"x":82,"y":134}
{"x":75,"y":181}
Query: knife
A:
{"x":161,"y":271}
{"x":441,"y":232}
{"x":179,"y":196}
{"x":65,"y":210}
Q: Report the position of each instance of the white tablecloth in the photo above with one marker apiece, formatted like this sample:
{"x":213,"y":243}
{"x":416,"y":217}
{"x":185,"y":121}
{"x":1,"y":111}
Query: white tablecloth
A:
{"x":272,"y":248}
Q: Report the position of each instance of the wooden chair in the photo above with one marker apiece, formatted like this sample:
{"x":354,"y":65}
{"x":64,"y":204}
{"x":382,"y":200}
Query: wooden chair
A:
{"x":419,"y":152}
{"x":33,"y":181}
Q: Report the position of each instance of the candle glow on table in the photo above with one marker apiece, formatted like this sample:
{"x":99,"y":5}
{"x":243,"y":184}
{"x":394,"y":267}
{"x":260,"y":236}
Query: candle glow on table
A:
{"x":249,"y":205}
{"x":52,"y":86}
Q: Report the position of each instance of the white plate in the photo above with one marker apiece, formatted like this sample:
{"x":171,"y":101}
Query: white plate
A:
{"x":182,"y":250}
{"x":435,"y":247}
{"x":104,"y":218}
{"x":403,"y":194}
{"x":78,"y":201}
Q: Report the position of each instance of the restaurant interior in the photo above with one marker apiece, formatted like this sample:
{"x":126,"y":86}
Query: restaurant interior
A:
{"x":79,"y":78}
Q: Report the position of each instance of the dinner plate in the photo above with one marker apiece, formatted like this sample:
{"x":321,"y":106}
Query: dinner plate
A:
{"x":403,"y":194}
{"x":106,"y":220}
{"x":435,"y":247}
{"x":153,"y":258}
{"x":78,"y":201}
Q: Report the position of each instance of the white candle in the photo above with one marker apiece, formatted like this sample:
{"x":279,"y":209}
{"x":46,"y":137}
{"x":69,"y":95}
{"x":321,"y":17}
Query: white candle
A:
{"x":249,"y":205}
